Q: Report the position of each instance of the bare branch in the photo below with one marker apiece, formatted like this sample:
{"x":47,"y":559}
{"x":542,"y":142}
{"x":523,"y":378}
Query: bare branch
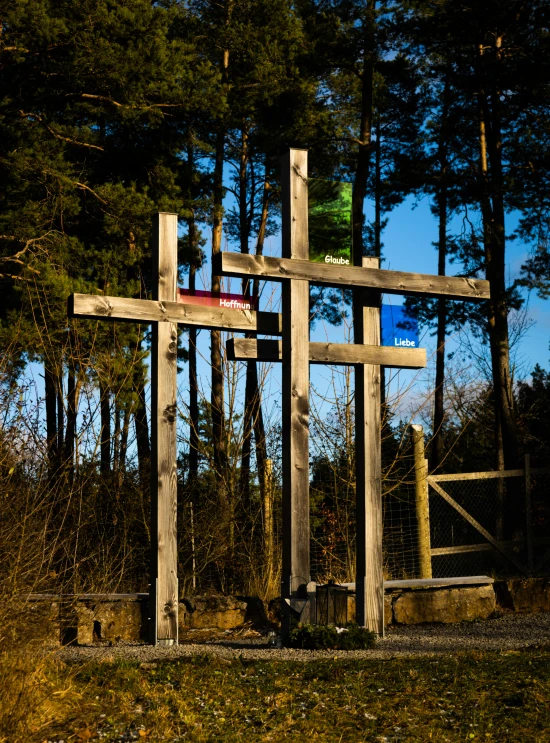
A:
{"x":144,"y":107}
{"x":55,"y":134}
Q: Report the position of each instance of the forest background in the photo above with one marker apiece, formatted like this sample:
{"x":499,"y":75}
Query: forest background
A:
{"x":111,"y":111}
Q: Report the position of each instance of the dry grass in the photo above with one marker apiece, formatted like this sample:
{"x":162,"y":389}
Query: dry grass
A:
{"x":465,"y":697}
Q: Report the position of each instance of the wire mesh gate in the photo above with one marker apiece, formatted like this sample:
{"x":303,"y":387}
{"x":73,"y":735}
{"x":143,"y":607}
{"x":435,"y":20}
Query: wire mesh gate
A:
{"x":466,"y":522}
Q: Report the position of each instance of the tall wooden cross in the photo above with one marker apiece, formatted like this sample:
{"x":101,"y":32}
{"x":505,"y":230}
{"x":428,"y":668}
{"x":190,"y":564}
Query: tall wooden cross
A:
{"x":164,"y":313}
{"x":368,"y":281}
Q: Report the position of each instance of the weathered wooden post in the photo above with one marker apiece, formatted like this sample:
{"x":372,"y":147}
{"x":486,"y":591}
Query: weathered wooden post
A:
{"x":163,"y":603}
{"x":422,"y":503}
{"x":295,"y":384}
{"x":369,"y":578}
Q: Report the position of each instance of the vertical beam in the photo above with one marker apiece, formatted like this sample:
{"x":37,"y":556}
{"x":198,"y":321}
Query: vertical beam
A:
{"x":164,"y":560}
{"x":295,"y":402}
{"x":422,"y":503}
{"x":368,"y":476}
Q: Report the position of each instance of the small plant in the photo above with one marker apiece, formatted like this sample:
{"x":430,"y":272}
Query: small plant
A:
{"x":327,"y":637}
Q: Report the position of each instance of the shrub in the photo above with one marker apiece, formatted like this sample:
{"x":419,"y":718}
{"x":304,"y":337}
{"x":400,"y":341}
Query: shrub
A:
{"x":322,"y":637}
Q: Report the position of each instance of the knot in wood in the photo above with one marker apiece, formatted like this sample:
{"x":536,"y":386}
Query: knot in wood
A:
{"x":304,"y":420}
{"x":169,"y":413}
{"x":173,"y":347}
{"x":300,"y":175}
{"x":170,"y":608}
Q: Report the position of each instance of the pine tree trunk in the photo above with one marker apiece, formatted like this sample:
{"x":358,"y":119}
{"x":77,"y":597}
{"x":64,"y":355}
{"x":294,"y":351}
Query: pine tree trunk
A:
{"x":123,"y":444}
{"x":105,"y":439}
{"x":509,"y":510}
{"x":142,"y":432}
{"x":378,"y":246}
{"x":244,"y":233}
{"x":193,"y":385}
{"x":264,"y":472}
{"x":50,"y":383}
{"x":217,"y":391}
{"x":70,"y":431}
{"x":494,"y":236}
{"x":439,"y":410}
{"x":365,"y":134}
{"x":439,"y":399}
{"x":193,"y":380}
{"x":72,"y":408}
{"x":60,"y":416}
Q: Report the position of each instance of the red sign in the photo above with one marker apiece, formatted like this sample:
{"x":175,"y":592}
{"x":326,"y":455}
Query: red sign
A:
{"x":208,"y":299}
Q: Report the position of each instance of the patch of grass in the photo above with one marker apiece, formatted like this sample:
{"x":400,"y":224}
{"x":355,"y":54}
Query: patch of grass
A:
{"x":478,"y":696}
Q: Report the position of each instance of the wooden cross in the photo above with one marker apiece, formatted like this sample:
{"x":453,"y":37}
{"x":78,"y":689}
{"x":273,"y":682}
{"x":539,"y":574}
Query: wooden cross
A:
{"x":368,"y":281}
{"x":164,"y":313}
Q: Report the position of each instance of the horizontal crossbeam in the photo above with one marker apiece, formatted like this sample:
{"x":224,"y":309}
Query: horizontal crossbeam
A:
{"x":93,"y":306}
{"x":389,"y":282}
{"x":251,"y":349}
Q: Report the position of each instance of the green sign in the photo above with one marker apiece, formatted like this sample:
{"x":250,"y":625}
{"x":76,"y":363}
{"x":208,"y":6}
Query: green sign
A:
{"x":329,"y":222}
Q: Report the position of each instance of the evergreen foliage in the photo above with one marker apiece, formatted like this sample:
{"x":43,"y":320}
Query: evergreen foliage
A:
{"x":321,"y":637}
{"x":113,"y":111}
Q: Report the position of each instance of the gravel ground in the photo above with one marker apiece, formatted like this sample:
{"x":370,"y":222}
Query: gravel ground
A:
{"x":504,"y":633}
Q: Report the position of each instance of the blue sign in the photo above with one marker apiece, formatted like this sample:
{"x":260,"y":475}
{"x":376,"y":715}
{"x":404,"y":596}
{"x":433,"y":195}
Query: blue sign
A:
{"x":398,"y":328}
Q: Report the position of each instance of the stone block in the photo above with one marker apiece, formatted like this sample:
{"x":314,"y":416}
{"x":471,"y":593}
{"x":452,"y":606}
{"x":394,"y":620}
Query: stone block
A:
{"x":525,"y":594}
{"x":444,"y":605}
{"x":84,"y":624}
{"x":111,"y":621}
{"x":215,"y":611}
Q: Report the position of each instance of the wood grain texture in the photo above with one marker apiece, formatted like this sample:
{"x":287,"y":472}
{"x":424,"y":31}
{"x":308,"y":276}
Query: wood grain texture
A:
{"x":295,"y":387}
{"x":485,"y":547}
{"x":421,"y":503}
{"x":164,"y":346}
{"x":475,"y":476}
{"x":462,"y":548}
{"x":471,"y":580}
{"x":94,"y":306}
{"x":347,"y":354}
{"x":389,"y":282}
{"x":368,"y":475}
{"x":470,"y":519}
